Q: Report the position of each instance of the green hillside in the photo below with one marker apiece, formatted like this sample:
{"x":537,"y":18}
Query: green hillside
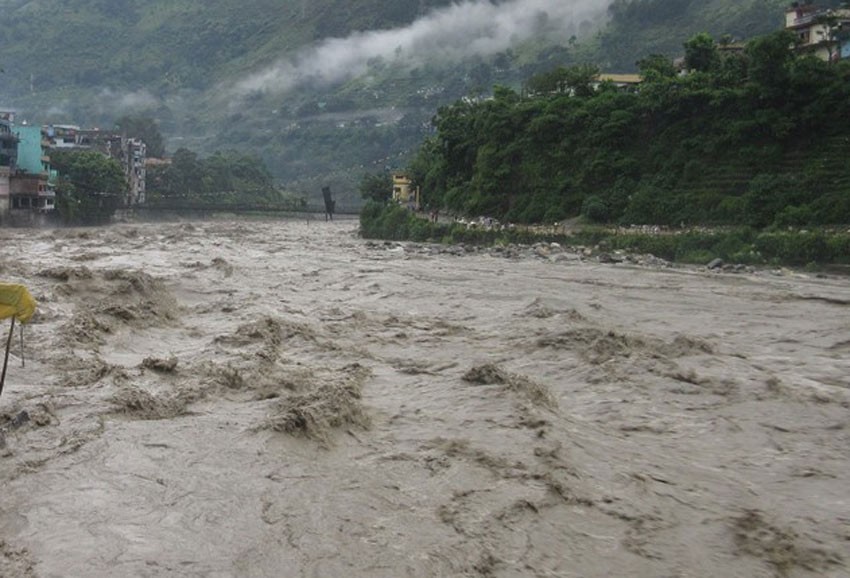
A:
{"x":92,"y":61}
{"x":166,"y":45}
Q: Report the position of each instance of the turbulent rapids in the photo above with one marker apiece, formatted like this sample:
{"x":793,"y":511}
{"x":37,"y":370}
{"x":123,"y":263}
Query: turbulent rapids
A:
{"x":260,"y":398}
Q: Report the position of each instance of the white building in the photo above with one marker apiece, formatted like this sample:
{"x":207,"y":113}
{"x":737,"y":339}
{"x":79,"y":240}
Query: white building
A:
{"x":820,"y":31}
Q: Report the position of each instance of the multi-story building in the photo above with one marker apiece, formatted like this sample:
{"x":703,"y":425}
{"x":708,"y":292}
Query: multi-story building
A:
{"x":8,"y":140}
{"x":8,"y":159}
{"x":820,"y":31}
{"x":26,"y":179}
{"x":5,"y":193}
{"x":129,"y":152}
{"x":62,"y":136}
{"x":32,"y":183}
{"x":135,"y":169}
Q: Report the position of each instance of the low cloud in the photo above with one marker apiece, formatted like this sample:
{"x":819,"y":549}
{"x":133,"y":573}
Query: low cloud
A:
{"x":468,"y":29}
{"x":117,"y":103}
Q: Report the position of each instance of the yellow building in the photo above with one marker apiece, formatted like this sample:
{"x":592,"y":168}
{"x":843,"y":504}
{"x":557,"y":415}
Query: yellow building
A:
{"x":620,"y":80}
{"x":404,"y":192}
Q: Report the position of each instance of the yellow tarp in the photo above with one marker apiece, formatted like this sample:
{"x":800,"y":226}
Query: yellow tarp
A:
{"x":16,"y":301}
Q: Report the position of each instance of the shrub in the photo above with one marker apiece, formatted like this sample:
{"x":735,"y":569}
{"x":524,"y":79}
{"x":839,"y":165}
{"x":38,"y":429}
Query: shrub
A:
{"x":839,"y":247}
{"x":794,"y":217}
{"x":742,"y":245}
{"x":594,"y":209}
{"x":794,"y":248}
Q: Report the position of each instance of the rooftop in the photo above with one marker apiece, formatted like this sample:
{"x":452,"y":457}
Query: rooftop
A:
{"x":620,"y":78}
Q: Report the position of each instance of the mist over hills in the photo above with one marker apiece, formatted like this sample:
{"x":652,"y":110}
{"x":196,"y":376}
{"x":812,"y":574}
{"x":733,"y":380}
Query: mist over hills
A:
{"x":323,"y":90}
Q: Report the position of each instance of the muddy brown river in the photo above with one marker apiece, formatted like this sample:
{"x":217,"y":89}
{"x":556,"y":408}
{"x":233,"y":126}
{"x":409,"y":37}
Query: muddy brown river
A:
{"x":285,"y":399}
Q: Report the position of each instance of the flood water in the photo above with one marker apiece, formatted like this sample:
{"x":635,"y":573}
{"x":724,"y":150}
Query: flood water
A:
{"x":283,"y":398}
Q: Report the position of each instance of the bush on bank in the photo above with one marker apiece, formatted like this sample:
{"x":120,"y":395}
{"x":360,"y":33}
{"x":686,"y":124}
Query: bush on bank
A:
{"x":393,"y":222}
{"x":737,"y":245}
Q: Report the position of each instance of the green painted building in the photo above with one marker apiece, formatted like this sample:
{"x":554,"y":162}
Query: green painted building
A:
{"x":30,"y":153}
{"x":32,"y":157}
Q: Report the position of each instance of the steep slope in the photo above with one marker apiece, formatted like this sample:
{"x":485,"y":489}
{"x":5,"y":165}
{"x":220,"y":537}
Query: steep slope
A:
{"x":168,"y":44}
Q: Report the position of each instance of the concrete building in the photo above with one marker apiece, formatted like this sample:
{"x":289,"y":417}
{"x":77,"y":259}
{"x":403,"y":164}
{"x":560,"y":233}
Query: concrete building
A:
{"x":404,"y":192}
{"x":137,"y":152}
{"x":130,"y":153}
{"x":623,"y":81}
{"x":5,"y":194}
{"x":32,"y":181}
{"x":26,"y":181}
{"x":822,"y":32}
{"x":32,"y":157}
{"x":30,"y":192}
{"x":62,"y":136}
{"x":8,"y":141}
{"x":8,"y":160}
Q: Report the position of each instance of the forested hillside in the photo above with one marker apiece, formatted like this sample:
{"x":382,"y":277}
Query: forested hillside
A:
{"x":322,"y":90}
{"x":163,"y":45}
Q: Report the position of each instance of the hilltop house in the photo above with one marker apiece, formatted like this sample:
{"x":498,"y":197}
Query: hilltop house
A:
{"x":822,"y":32}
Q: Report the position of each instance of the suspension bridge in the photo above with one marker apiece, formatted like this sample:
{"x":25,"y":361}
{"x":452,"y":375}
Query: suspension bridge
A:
{"x":228,"y":202}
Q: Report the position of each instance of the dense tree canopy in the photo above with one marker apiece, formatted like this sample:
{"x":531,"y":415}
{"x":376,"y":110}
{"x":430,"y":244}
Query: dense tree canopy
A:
{"x":376,"y":186}
{"x":91,"y":187}
{"x":754,"y":138}
{"x":701,"y":53}
{"x":224,"y":177}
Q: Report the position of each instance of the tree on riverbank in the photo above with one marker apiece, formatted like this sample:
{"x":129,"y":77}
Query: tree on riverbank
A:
{"x":376,"y":187}
{"x":91,"y":187}
{"x":227,"y":177}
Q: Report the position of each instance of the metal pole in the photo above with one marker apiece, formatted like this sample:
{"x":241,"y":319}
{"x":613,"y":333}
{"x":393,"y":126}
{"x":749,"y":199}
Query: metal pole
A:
{"x":6,"y":358}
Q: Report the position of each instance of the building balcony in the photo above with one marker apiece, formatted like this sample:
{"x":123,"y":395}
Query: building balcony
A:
{"x":804,"y":20}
